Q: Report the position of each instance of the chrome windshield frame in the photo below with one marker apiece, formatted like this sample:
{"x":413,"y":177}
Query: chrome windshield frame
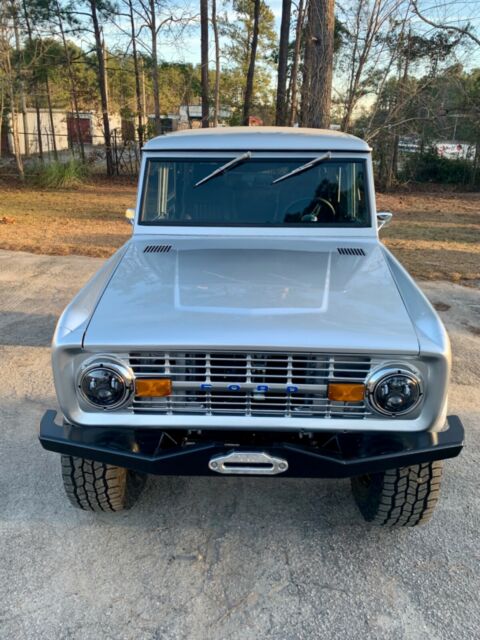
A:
{"x":154,"y":229}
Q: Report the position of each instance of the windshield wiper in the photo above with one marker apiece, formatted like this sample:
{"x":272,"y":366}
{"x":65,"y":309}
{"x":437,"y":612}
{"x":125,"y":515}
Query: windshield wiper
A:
{"x":304,"y":167}
{"x":233,"y":163}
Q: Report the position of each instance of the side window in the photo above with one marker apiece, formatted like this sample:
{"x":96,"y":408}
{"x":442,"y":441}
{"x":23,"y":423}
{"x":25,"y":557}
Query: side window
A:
{"x":159,"y":199}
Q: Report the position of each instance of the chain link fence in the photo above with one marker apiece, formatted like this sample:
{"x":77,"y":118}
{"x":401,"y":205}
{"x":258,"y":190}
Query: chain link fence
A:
{"x":60,"y":147}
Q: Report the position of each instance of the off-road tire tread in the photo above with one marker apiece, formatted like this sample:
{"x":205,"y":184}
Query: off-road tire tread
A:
{"x":404,"y":497}
{"x":95,"y":486}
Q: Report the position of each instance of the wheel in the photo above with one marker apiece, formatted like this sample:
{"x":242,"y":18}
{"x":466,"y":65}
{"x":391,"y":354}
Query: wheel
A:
{"x":95,"y":486}
{"x":403,"y":497}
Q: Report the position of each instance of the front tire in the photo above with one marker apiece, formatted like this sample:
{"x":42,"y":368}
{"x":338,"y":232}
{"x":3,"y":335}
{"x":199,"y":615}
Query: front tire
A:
{"x":404,"y":497}
{"x":95,"y":486}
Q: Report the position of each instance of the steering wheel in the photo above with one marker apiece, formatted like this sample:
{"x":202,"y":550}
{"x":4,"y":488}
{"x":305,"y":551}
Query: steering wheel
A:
{"x":313,"y":215}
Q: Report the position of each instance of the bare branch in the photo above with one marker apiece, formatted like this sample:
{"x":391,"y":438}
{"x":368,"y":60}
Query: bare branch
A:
{"x":464,"y":31}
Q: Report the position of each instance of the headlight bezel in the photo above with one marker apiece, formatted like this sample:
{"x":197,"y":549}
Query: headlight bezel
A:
{"x":381,"y":375}
{"x":118,"y":368}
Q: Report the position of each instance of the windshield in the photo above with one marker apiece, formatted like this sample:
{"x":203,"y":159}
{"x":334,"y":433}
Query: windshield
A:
{"x":331,"y":193}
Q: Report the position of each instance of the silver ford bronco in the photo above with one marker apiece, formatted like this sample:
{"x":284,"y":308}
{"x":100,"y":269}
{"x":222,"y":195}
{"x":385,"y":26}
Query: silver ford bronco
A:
{"x":255,"y":325}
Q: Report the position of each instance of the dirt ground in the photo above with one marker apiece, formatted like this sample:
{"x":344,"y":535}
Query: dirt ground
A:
{"x":435,"y":235}
{"x":88,"y":221}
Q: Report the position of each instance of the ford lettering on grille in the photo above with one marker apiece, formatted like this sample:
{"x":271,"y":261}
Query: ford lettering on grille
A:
{"x":290,"y":388}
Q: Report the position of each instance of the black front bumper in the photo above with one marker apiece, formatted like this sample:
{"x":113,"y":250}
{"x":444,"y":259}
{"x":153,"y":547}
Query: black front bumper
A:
{"x":334,"y":455}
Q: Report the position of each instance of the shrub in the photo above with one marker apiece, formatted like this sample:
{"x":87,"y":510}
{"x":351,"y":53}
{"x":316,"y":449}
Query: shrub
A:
{"x":58,"y":175}
{"x":430,"y":167}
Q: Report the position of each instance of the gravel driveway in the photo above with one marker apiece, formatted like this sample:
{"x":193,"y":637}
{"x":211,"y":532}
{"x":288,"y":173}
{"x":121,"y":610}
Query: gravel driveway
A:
{"x":219,"y":558}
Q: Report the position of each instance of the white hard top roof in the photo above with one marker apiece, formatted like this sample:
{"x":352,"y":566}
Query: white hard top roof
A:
{"x":257,"y":139}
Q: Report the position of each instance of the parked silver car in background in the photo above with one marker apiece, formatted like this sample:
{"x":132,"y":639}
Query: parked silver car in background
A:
{"x":254,"y":324}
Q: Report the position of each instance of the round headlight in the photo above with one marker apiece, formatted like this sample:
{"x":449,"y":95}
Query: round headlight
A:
{"x":394,"y":391}
{"x":105,"y":385}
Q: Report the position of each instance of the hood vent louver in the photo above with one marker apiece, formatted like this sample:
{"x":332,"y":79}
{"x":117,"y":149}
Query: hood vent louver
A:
{"x":350,"y":251}
{"x":157,"y":248}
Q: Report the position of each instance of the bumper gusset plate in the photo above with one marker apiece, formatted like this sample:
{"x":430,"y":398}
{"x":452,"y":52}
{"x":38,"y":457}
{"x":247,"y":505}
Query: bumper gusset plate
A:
{"x":355,"y":453}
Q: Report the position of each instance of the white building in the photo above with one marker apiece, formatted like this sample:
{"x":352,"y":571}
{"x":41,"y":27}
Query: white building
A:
{"x":63,"y":134}
{"x":192,"y":114}
{"x":28,"y":136}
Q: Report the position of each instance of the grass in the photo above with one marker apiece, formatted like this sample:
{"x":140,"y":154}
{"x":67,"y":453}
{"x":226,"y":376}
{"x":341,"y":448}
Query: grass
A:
{"x":57,"y":175}
{"x":435,"y":235}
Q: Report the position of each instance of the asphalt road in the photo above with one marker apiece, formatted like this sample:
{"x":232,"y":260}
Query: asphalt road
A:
{"x":219,"y":558}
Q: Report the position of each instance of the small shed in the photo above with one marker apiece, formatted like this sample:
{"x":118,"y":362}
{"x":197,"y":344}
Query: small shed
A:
{"x":62,"y":135}
{"x":29,"y":135}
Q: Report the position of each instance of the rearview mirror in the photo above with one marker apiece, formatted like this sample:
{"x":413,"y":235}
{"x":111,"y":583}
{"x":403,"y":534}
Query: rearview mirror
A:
{"x":130,"y":215}
{"x":383,"y":219}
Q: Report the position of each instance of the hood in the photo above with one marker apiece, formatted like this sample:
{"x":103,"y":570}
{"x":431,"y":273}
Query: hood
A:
{"x":295,"y":294}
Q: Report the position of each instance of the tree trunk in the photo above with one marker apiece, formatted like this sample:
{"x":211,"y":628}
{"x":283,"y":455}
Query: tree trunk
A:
{"x":319,"y":69}
{"x":155,"y":84}
{"x":102,"y":85}
{"x":35,"y":82}
{"x":8,"y":90}
{"x":216,"y":39}
{"x":138,"y":91}
{"x":204,"y":60}
{"x":21,"y":84}
{"x":247,"y":101}
{"x":10,"y":81}
{"x":2,"y":108}
{"x":307,"y":62}
{"x":188,"y":97}
{"x":475,"y":161}
{"x":399,"y":102}
{"x":16,"y":137}
{"x":39,"y":129}
{"x":360,"y":55}
{"x":355,"y":74}
{"x":73,"y":82}
{"x":394,"y":165}
{"x":144,"y":98}
{"x":282,"y":107}
{"x":296,"y":63}
{"x":50,"y":113}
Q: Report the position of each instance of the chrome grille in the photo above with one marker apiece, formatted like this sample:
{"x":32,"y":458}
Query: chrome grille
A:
{"x":250,"y":384}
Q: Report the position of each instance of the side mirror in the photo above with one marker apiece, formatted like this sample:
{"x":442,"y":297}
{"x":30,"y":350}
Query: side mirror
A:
{"x":383,"y":219}
{"x":130,"y":215}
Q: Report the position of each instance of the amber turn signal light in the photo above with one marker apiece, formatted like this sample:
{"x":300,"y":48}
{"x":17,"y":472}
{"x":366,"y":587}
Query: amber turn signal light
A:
{"x":343,"y":392}
{"x":153,"y":388}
